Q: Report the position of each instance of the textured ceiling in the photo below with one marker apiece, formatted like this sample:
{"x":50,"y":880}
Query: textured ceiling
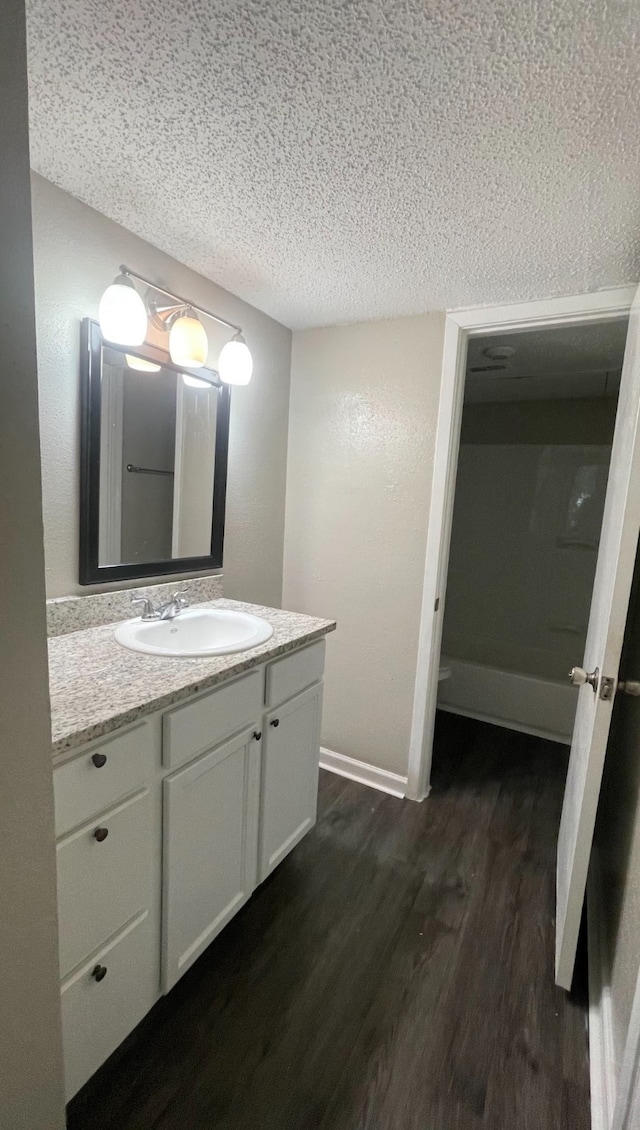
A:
{"x":572,"y":362}
{"x":332,"y":160}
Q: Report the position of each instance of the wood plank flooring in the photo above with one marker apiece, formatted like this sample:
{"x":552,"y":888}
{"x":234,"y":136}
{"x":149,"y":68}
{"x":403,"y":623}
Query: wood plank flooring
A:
{"x":394,"y":973}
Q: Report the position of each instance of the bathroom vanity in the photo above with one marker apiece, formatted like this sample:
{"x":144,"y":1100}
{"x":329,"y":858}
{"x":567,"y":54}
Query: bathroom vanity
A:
{"x":179,"y":785}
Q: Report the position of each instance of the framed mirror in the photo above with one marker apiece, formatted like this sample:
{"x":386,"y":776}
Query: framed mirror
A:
{"x":153,"y":474}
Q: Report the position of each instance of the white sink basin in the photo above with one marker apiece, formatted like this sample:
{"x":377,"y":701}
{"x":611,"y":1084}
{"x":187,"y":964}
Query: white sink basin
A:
{"x":196,"y":631}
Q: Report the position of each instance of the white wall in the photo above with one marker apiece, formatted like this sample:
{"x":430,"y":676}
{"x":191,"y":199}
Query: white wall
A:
{"x":528,"y":509}
{"x":524,"y":544}
{"x":31,"y":1084}
{"x":77,"y":253}
{"x":364,"y":401}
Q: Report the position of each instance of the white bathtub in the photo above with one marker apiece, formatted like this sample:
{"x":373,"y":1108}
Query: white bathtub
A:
{"x":521,"y":702}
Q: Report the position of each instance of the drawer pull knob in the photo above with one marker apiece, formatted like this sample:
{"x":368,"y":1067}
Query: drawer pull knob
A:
{"x":99,"y":972}
{"x":274,"y":722}
{"x":99,"y":759}
{"x":101,"y":834}
{"x":257,"y":734}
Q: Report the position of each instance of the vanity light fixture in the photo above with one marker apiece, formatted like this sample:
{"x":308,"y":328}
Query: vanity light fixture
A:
{"x":122,"y":314}
{"x":235,"y":363}
{"x":188,"y":342}
{"x":123,"y":320}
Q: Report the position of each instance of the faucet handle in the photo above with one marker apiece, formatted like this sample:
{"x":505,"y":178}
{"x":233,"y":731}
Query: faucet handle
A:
{"x":148,"y":611}
{"x":181,"y":598}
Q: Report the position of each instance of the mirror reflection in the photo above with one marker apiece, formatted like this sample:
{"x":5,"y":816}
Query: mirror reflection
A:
{"x":157,"y":461}
{"x":156,"y":442}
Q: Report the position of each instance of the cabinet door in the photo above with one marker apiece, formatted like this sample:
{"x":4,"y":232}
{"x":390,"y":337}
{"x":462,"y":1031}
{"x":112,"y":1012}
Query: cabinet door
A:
{"x":211,"y":811}
{"x":291,"y":752}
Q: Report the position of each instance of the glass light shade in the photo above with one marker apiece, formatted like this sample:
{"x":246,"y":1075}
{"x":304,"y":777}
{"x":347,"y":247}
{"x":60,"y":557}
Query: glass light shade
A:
{"x":122,"y":314}
{"x":188,"y":343}
{"x":140,"y":365}
{"x":195,"y":382}
{"x":235,"y":363}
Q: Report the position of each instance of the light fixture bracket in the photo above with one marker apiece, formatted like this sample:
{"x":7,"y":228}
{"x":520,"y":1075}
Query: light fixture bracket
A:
{"x":163,"y":317}
{"x":180,"y":303}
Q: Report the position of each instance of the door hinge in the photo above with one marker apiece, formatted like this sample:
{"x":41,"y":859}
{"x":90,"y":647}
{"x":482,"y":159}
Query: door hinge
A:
{"x":607,"y":688}
{"x":437,"y":604}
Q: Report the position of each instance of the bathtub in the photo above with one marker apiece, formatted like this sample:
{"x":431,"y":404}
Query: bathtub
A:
{"x":528,"y":703}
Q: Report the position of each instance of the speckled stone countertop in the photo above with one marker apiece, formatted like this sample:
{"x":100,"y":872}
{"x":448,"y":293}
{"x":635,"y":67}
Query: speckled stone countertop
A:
{"x":97,"y":685}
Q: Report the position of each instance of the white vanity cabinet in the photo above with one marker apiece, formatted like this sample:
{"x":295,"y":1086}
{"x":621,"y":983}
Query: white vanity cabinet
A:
{"x":289,"y":776}
{"x":107,"y":821}
{"x":211,"y":813}
{"x":106,"y":997}
{"x":104,"y":874}
{"x":164,"y":830}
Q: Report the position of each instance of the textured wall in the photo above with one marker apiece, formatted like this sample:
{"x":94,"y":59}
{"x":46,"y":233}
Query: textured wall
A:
{"x":31,"y":1090}
{"x":77,"y":253}
{"x":364,"y":400}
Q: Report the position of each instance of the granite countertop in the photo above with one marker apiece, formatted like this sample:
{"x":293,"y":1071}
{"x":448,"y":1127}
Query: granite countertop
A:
{"x":97,"y":685}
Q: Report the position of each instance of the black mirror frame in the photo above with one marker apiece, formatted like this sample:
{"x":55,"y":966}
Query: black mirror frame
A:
{"x":90,"y":571}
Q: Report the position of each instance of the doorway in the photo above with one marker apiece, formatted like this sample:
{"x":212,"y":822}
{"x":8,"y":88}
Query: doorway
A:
{"x":598,"y":678}
{"x":460,"y":330}
{"x":537,"y":426}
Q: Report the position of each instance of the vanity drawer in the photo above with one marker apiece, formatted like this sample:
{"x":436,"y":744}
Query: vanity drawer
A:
{"x":103,"y":881}
{"x":200,"y":725}
{"x":288,"y":676}
{"x":102,"y":775}
{"x":98,"y":1014}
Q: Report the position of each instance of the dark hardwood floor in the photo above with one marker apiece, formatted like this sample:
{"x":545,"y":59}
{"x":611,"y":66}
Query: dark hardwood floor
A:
{"x":394,"y":973}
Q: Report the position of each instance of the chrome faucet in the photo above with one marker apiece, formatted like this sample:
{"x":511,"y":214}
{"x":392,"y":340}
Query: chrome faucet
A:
{"x":173,"y":607}
{"x":167,"y":611}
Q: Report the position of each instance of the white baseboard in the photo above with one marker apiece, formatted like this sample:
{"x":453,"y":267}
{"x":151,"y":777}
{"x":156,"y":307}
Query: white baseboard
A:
{"x":361,"y":771}
{"x":601,"y":1050}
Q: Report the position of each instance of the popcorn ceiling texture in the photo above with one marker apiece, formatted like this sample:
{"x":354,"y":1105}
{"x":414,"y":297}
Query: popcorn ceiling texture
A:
{"x":330,"y":162}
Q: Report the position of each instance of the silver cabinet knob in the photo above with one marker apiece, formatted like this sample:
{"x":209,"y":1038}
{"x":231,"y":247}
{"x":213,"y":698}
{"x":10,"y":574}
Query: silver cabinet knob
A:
{"x":579,"y":677}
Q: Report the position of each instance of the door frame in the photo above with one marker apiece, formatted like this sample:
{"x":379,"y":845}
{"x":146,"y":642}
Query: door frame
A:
{"x":626,"y":1110}
{"x":461,"y":325}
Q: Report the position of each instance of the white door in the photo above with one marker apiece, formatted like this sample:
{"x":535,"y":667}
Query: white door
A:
{"x":614,"y":572}
{"x":291,"y":752}
{"x":211,"y":848}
